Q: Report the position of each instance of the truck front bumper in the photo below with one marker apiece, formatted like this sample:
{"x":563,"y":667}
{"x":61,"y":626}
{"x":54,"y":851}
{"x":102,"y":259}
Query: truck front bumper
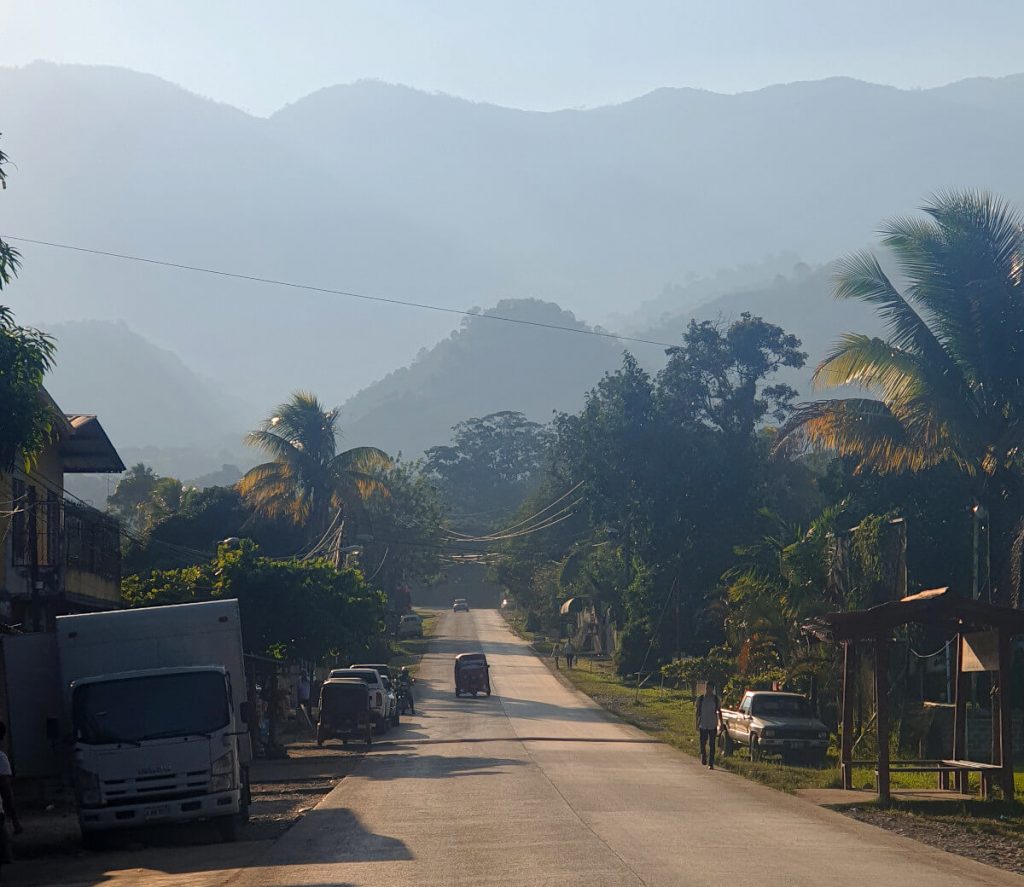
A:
{"x":94,"y":819}
{"x":794,"y":744}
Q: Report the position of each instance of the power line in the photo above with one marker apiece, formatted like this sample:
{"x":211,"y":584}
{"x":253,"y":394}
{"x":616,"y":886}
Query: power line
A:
{"x":252,"y":278}
{"x":497,"y":533}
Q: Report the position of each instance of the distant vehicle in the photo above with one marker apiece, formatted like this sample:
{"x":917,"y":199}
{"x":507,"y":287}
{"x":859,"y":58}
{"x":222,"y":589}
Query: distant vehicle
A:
{"x":157,"y":705}
{"x":460,"y":605}
{"x":472,"y":674}
{"x":380,"y":700}
{"x":775,"y":723}
{"x":345,"y":711}
{"x":410,"y":626}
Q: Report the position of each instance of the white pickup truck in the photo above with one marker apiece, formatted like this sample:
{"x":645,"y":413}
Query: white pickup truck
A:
{"x":156,"y":700}
{"x":774,"y":723}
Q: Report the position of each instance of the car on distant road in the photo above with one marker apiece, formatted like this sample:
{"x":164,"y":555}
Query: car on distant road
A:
{"x":773,"y":723}
{"x":410,"y":626}
{"x":460,"y":605}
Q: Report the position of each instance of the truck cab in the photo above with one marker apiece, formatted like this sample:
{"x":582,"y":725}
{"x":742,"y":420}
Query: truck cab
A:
{"x":157,"y":707}
{"x":156,"y":746}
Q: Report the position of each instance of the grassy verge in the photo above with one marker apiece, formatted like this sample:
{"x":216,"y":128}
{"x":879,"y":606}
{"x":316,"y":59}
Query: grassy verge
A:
{"x":669,"y":715}
{"x":407,"y":652}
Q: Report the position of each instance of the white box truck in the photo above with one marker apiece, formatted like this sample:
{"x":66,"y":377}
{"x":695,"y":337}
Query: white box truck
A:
{"x":156,"y":700}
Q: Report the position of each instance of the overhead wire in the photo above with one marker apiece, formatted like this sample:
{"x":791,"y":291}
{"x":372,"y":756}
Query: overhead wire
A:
{"x":254,"y":278}
{"x":547,"y":507}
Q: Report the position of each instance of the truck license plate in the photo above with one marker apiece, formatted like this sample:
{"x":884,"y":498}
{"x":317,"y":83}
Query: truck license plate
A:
{"x":158,"y":812}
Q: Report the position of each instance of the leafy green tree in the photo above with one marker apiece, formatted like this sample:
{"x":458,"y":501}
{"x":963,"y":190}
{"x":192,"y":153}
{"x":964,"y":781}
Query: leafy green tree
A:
{"x":25,"y":357}
{"x":307,"y":479}
{"x":10,"y":258}
{"x":205,"y":518}
{"x":947,"y":384}
{"x":291,"y":609}
{"x":132,"y":497}
{"x":491,"y":465}
{"x":406,"y":537}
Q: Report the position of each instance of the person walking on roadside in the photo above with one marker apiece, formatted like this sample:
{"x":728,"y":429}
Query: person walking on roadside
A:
{"x":556,"y":651}
{"x":569,"y":651}
{"x":8,"y":812}
{"x":709,"y":718}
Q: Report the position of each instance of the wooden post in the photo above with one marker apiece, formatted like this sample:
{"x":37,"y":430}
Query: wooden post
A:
{"x":960,"y":779}
{"x":882,"y":715}
{"x":846,"y":721}
{"x":1005,"y":716}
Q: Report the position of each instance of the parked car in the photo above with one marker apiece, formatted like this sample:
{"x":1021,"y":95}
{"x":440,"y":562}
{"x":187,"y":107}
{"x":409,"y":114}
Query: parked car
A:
{"x":768,"y":722}
{"x":460,"y":605}
{"x":383,"y":704}
{"x":410,"y":626}
{"x":345,"y":711}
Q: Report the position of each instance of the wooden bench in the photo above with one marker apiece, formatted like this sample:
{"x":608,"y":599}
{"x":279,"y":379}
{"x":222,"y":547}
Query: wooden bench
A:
{"x":986,"y":771}
{"x":938,"y":767}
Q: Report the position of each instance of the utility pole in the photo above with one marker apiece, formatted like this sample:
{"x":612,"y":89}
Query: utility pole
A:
{"x":33,"y":557}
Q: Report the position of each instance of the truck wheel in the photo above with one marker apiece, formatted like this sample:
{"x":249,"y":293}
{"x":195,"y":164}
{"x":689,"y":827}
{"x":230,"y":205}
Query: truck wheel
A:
{"x":727,"y":745}
{"x":229,"y":828}
{"x":458,"y":692}
{"x":94,"y":840}
{"x":755,"y":749}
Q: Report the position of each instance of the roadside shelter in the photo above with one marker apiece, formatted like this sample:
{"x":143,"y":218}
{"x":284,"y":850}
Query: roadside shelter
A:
{"x":983,"y":633}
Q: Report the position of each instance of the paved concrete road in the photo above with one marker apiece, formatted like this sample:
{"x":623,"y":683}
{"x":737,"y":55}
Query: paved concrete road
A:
{"x":535,"y":786}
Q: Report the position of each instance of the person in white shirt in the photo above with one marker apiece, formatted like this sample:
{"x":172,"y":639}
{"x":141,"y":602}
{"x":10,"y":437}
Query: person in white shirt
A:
{"x":709,"y":717}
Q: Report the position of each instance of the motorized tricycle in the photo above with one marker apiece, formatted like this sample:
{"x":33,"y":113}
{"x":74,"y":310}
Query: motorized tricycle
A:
{"x":345,"y":711}
{"x":472,"y":674}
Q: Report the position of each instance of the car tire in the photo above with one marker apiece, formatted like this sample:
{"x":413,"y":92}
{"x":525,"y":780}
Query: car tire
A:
{"x":727,"y":745}
{"x":755,"y":749}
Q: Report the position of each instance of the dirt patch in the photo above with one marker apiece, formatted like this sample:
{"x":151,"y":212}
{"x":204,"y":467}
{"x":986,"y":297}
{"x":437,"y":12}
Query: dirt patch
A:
{"x":995,"y":840}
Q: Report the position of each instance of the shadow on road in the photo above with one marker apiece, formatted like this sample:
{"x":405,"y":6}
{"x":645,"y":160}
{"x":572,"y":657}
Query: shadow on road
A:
{"x":408,"y":765}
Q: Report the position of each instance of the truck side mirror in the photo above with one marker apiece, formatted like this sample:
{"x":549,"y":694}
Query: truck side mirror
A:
{"x":245,"y":711}
{"x":52,"y":729}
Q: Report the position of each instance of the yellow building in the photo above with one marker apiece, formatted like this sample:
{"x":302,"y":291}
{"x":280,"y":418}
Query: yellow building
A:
{"x":58,"y":555}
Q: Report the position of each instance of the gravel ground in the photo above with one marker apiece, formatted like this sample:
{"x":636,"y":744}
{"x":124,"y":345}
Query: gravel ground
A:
{"x":989,"y":841}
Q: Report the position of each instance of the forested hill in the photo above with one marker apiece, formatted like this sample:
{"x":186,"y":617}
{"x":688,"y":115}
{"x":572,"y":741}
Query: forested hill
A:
{"x":481,"y":368}
{"x":388,"y":191}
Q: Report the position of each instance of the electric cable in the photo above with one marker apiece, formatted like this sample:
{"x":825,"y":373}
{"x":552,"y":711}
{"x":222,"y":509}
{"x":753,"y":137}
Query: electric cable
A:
{"x":253,"y":278}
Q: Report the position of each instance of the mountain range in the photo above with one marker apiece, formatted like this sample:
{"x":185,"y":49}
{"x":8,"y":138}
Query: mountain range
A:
{"x":626,"y":211}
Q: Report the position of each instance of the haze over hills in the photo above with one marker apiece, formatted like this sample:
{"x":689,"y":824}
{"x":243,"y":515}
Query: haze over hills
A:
{"x":388,"y":191}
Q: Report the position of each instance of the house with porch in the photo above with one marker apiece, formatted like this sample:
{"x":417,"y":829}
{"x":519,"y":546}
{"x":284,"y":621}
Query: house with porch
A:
{"x":58,"y":555}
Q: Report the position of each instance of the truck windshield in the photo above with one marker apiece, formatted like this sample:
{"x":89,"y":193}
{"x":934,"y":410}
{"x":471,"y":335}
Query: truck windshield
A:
{"x":152,"y":707}
{"x":786,"y":706}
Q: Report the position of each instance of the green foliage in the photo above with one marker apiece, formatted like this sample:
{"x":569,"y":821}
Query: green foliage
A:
{"x":25,"y":357}
{"x":307,"y":480}
{"x":716,"y":665}
{"x":490,"y":467}
{"x":10,"y":258}
{"x":291,"y":609}
{"x":674,"y":469}
{"x":945,"y":386}
{"x":406,"y":528}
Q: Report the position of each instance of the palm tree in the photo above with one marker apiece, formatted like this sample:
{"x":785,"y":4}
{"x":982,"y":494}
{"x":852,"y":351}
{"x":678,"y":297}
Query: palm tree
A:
{"x":948,"y":380}
{"x":307,"y":480}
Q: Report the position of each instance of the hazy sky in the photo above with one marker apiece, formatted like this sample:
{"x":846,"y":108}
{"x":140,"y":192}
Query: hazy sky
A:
{"x":541,"y":54}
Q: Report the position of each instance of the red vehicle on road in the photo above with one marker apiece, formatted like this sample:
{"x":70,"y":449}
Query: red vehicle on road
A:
{"x":472,"y":674}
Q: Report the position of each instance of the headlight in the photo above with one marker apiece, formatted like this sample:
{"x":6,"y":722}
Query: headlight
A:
{"x":87,"y":785}
{"x":767,"y":733}
{"x":223,"y":770}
